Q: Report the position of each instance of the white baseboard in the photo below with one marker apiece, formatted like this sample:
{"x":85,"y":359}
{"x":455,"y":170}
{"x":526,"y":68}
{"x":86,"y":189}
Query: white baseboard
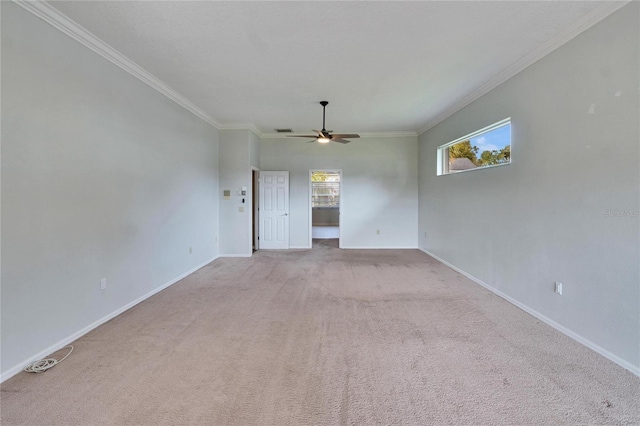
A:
{"x":605,"y":353}
{"x":299,"y":247}
{"x":378,"y":248}
{"x":235,"y":255}
{"x":75,"y":336}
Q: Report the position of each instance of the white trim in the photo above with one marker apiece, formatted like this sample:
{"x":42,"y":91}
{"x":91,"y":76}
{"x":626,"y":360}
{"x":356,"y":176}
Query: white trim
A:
{"x":58,"y":20}
{"x":379,"y":248}
{"x":240,"y":126}
{"x":78,"y":334}
{"x":589,"y":344}
{"x":398,"y":134}
{"x":570,"y":32}
{"x":299,"y":247}
{"x":234,"y":255}
{"x":275,"y":135}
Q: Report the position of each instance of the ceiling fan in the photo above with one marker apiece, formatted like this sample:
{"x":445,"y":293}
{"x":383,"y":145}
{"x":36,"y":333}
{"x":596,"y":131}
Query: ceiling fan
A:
{"x":325,"y":136}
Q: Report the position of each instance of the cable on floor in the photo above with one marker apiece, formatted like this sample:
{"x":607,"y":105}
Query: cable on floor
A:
{"x":43,"y":365}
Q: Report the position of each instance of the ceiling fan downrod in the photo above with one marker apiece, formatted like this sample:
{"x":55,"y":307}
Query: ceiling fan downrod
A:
{"x":324,"y":136}
{"x":324,"y":105}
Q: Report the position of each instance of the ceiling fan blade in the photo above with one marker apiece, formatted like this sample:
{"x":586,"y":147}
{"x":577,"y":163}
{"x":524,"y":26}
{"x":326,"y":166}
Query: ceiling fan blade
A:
{"x":324,"y":136}
{"x":346,"y":135}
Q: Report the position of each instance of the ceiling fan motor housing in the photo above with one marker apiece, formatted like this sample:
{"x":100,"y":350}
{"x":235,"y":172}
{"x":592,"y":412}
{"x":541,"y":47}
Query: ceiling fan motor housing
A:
{"x":325,"y":136}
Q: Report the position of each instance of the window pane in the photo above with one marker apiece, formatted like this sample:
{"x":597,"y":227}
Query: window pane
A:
{"x":325,"y":189}
{"x":480,"y":149}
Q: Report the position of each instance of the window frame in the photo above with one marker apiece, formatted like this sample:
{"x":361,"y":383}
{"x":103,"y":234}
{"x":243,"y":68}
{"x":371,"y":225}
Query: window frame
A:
{"x":443,"y":150}
{"x":331,"y":185}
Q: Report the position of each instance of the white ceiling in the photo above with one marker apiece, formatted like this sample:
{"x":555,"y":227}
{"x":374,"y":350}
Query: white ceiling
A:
{"x":383,"y":66}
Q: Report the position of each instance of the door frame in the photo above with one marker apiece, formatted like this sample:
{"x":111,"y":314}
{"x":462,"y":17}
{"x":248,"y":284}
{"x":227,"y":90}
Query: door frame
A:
{"x":254,"y":220}
{"x":339,"y":171}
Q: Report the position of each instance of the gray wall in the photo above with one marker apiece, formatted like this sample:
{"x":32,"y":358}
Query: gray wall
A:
{"x":102,"y":176}
{"x":254,"y":150}
{"x":575,"y":146}
{"x":325,"y":216}
{"x":378,"y":187}
{"x":239,"y":152}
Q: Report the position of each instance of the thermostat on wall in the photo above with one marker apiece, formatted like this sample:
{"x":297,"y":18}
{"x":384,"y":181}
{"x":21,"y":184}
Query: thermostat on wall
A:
{"x":227,"y":194}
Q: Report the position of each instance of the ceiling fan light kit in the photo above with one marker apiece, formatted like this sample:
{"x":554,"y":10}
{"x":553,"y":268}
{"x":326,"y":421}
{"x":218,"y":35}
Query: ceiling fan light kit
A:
{"x":325,"y":136}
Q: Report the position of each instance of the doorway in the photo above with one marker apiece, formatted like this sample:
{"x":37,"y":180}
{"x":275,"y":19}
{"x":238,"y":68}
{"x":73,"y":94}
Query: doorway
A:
{"x":255,"y":209}
{"x":325,"y":200}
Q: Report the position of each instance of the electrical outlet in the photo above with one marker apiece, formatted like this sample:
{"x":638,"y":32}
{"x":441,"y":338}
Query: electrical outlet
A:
{"x":190,"y":250}
{"x":103,"y":284}
{"x":558,"y":288}
{"x":241,"y":209}
{"x":425,"y":234}
{"x":377,"y":232}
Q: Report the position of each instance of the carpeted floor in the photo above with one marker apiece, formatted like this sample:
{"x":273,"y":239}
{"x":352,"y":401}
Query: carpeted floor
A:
{"x":325,"y":337}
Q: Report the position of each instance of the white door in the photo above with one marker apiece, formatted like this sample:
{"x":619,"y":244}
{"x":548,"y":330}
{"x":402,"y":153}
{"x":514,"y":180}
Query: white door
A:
{"x":274,"y":210}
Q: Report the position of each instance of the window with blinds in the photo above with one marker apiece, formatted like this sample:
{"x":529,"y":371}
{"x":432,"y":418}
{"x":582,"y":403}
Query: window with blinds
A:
{"x":325,"y":189}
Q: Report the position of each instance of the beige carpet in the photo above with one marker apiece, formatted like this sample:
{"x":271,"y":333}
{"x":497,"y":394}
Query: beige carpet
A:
{"x":325,"y":337}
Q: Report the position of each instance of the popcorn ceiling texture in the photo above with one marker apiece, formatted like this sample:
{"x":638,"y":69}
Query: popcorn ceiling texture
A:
{"x":325,"y":337}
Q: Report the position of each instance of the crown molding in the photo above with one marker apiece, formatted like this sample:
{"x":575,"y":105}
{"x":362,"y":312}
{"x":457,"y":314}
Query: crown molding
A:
{"x":589,"y":20}
{"x":241,"y":126}
{"x":398,"y":134}
{"x":61,"y":22}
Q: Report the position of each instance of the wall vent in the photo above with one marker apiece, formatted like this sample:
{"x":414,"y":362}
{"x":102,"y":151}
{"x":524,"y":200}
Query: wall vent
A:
{"x":284,"y":130}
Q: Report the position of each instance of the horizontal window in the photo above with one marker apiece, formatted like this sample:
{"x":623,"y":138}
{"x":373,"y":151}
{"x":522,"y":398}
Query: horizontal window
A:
{"x":483,"y":148}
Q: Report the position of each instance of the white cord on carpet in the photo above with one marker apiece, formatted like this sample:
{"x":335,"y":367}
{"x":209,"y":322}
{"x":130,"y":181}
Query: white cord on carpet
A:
{"x":43,"y":365}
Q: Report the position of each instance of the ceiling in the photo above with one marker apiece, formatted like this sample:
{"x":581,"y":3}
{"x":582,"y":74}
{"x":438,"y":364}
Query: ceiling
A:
{"x":383,"y":66}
